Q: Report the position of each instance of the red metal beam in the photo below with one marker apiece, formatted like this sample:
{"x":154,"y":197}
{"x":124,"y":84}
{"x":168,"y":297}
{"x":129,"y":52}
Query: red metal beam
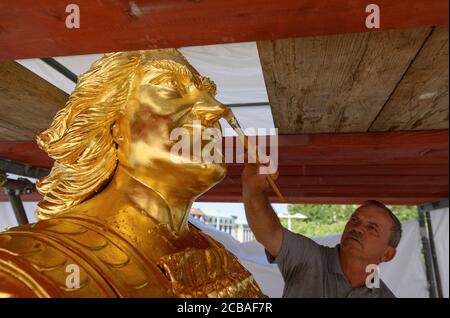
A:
{"x":38,"y":29}
{"x":396,"y":167}
{"x":26,"y":152}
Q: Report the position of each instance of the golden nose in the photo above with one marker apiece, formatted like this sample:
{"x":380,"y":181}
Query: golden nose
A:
{"x":209,"y":113}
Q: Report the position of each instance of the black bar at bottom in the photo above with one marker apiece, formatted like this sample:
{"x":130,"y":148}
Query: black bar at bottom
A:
{"x":434,"y":255}
{"x":19,"y":211}
{"x":427,"y":253}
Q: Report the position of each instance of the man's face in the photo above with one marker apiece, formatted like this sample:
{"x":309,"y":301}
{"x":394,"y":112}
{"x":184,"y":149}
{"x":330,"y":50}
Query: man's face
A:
{"x":165,"y":100}
{"x":366,"y":235}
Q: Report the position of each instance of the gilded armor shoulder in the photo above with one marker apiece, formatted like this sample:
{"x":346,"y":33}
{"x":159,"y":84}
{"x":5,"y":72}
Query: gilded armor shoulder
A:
{"x":38,"y":261}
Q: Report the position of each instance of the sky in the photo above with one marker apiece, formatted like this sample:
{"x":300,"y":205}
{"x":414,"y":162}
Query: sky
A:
{"x":236,"y":209}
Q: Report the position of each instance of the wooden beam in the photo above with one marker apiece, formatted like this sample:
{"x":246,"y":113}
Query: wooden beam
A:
{"x":342,"y":192}
{"x":395,"y":167}
{"x":210,"y":197}
{"x":27,"y":102}
{"x":295,"y":181}
{"x":353,"y":170}
{"x":391,"y":148}
{"x":38,"y":29}
{"x":25,"y":152}
{"x":424,"y":148}
{"x":301,"y":199}
{"x":421,"y":99}
{"x":32,"y":197}
{"x":336,"y":83}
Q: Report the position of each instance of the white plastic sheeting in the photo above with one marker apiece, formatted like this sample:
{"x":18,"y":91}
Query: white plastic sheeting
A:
{"x":405,"y":274}
{"x":235,"y":68}
{"x":439,"y":222}
{"x":7,"y":217}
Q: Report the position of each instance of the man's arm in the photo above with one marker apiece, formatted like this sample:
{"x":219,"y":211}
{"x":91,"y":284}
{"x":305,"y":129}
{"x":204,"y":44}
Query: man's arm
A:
{"x":261,"y":218}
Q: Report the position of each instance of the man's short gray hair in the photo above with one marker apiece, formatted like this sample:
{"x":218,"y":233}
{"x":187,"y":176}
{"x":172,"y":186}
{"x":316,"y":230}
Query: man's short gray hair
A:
{"x":396,"y":234}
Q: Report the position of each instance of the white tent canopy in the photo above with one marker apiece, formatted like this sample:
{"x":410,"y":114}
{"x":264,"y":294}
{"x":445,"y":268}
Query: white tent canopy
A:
{"x":235,"y":68}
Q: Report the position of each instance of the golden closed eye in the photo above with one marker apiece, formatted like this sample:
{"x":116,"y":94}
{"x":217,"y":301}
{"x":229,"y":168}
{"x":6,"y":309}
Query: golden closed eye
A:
{"x":172,"y":85}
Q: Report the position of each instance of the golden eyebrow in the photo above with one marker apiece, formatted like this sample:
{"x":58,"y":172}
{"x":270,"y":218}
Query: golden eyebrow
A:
{"x":199,"y":81}
{"x":166,"y":78}
{"x":181,"y":75}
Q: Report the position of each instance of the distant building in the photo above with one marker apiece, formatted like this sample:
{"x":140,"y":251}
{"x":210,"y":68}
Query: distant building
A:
{"x":224,"y":222}
{"x":197,"y":214}
{"x":242,"y":232}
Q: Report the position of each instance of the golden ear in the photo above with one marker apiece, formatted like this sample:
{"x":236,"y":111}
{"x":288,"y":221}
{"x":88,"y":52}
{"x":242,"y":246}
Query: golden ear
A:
{"x":116,"y":134}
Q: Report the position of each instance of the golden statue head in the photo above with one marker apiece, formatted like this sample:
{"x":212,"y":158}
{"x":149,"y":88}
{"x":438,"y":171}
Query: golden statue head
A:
{"x":121,"y":113}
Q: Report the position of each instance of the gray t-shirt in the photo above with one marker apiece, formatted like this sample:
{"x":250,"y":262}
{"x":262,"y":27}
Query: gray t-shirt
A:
{"x":313,"y":270}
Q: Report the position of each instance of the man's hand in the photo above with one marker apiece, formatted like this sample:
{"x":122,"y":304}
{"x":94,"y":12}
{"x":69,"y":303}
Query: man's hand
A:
{"x":254,"y":183}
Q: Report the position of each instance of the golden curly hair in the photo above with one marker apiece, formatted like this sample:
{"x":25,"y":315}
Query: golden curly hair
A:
{"x":80,"y":139}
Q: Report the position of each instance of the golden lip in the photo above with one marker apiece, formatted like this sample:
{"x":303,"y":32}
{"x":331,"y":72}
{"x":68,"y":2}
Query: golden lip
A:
{"x":202,"y":127}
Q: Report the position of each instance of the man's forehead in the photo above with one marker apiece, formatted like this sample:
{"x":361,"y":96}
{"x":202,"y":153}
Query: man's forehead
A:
{"x":372,"y":213}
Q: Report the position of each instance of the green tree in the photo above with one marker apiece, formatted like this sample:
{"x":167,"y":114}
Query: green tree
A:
{"x":326,"y":219}
{"x":323,"y":213}
{"x":403,"y":212}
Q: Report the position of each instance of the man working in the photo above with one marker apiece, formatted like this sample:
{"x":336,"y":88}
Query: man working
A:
{"x":370,"y":237}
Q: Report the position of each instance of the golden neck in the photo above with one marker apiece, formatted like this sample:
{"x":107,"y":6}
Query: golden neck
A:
{"x":125,"y":192}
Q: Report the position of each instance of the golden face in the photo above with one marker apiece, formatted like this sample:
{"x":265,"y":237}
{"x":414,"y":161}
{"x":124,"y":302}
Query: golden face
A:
{"x":169,"y":95}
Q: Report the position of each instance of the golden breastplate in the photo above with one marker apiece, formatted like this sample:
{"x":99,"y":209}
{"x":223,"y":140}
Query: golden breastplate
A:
{"x":36,"y":261}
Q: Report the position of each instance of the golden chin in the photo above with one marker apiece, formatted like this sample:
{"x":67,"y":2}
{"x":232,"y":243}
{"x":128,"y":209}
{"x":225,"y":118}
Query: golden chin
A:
{"x":113,"y":226}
